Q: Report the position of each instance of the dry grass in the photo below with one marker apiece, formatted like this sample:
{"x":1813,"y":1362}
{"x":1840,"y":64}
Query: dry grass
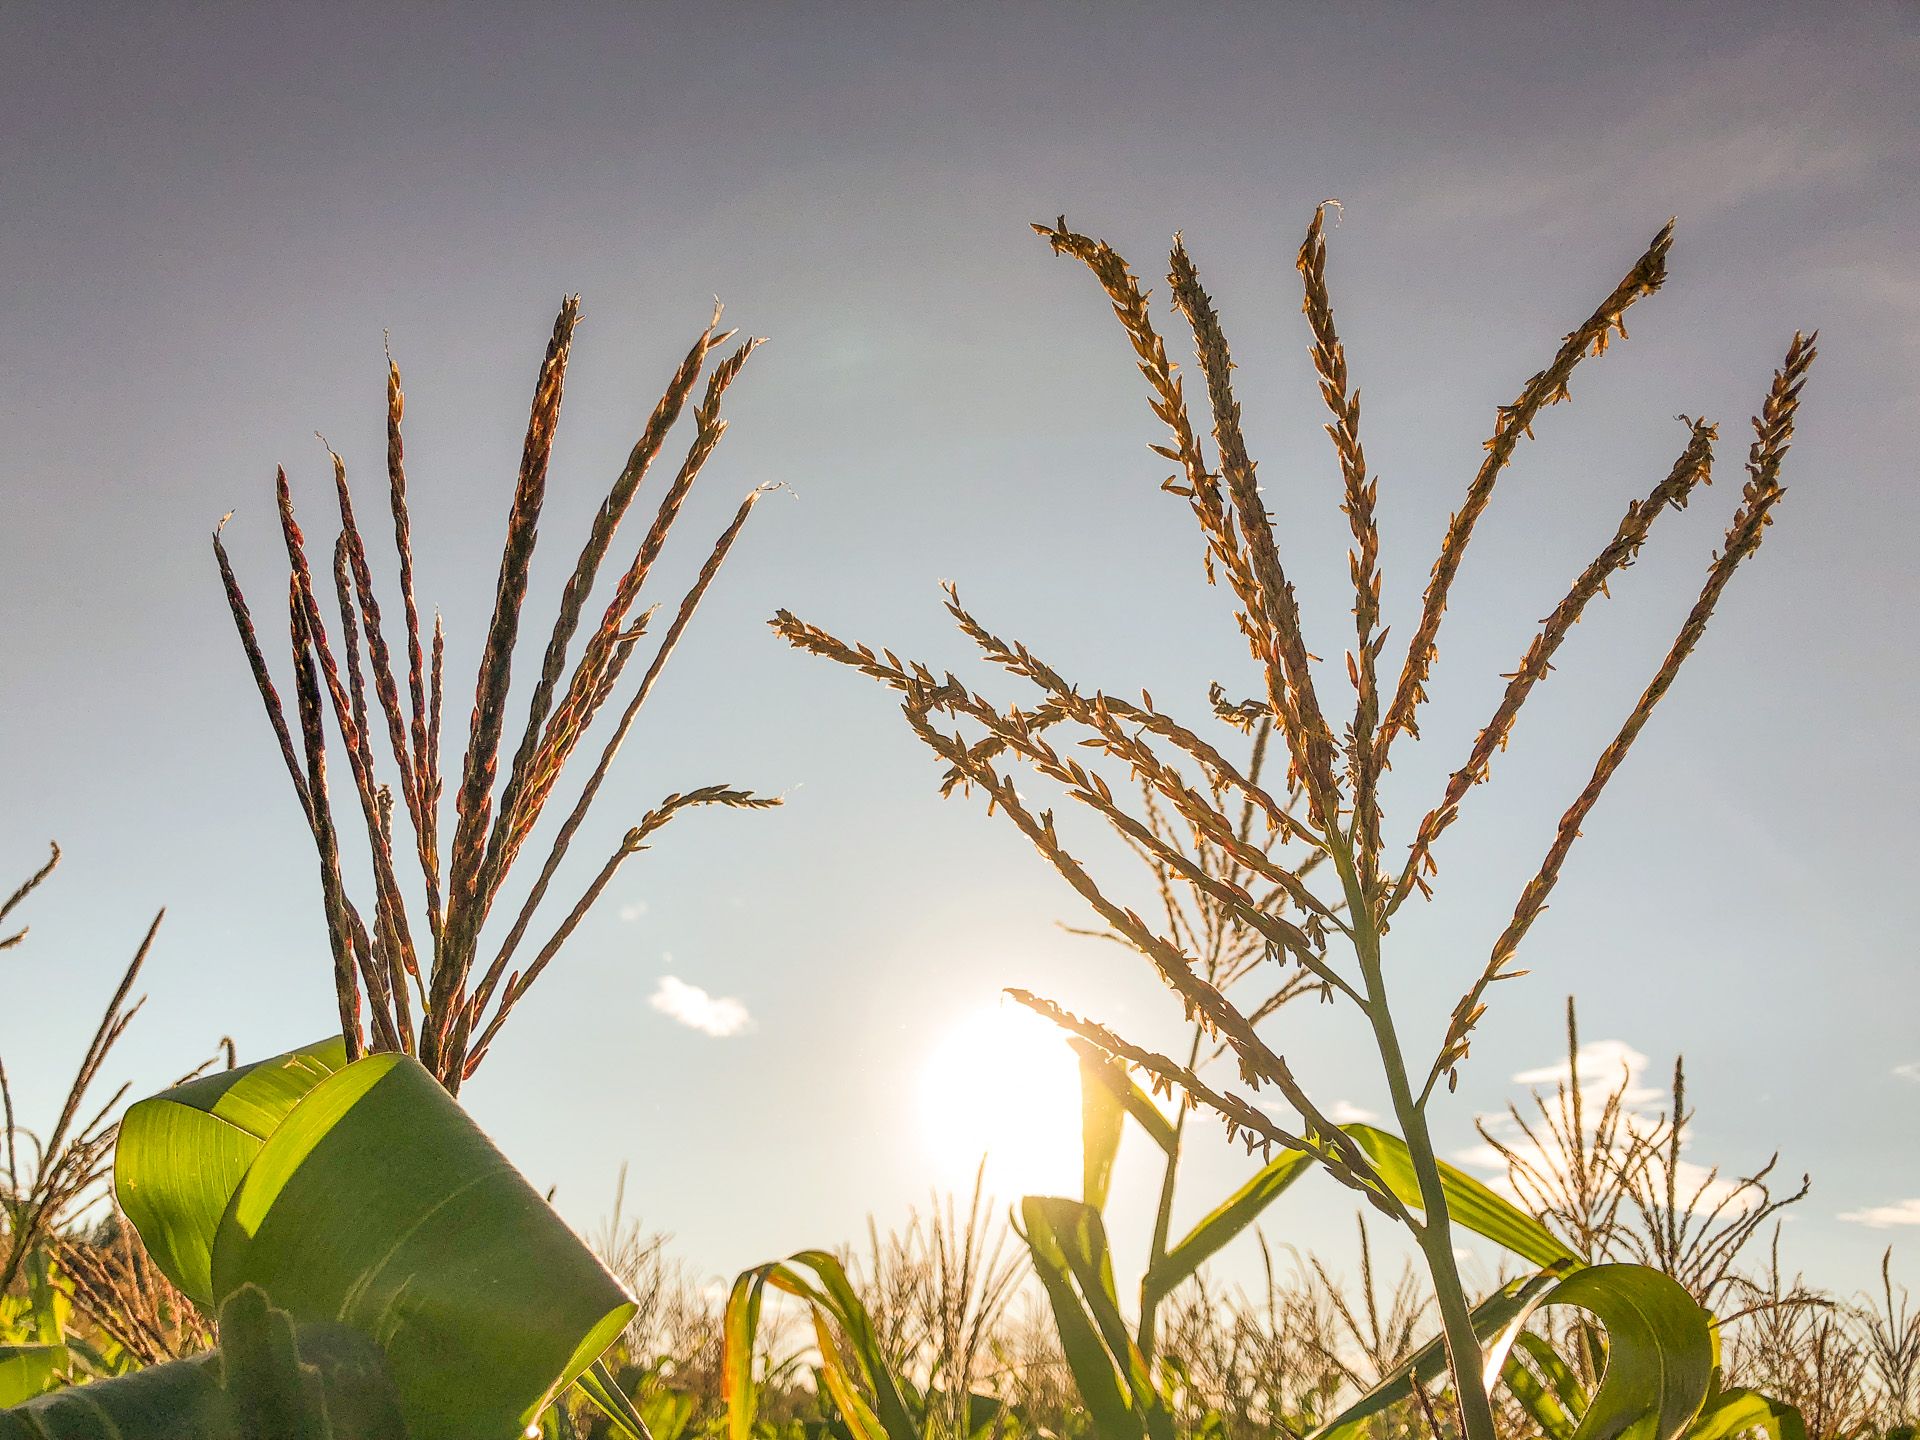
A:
{"x":72,"y":1163}
{"x":384,"y":969}
{"x":46,"y":1194}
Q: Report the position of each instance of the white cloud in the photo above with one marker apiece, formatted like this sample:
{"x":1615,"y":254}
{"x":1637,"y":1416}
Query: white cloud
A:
{"x":693,"y":1007}
{"x":633,"y":911}
{"x":1907,"y":1212}
{"x":1603,"y":1065}
{"x":1908,"y":1072}
{"x":1346,"y":1113}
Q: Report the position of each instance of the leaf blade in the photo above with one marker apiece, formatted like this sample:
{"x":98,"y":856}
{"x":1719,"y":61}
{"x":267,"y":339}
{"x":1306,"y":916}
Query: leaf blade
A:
{"x":1227,"y":1220}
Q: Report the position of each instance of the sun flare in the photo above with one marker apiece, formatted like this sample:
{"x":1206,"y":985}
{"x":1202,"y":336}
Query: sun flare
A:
{"x":1002,"y":1082}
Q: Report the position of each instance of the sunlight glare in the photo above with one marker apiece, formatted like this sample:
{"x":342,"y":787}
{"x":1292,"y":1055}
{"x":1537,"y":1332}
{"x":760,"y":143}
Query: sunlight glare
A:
{"x":1004,"y":1082}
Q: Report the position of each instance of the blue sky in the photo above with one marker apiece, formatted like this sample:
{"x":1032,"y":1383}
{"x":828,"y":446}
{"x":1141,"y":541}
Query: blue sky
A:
{"x":209,"y":216}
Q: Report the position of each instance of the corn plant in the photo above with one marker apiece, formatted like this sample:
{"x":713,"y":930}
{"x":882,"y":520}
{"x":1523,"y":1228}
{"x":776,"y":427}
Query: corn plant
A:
{"x":341,"y":1184}
{"x":1662,"y":1374}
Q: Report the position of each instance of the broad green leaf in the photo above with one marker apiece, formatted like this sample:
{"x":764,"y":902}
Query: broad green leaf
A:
{"x":257,"y":1097}
{"x":372,"y":1199}
{"x":182,"y":1153}
{"x":30,"y":1370}
{"x":1659,"y":1352}
{"x":1733,"y":1412}
{"x":1495,"y":1320}
{"x":484,"y":1301}
{"x":1228,"y":1219}
{"x":164,"y":1402}
{"x":1659,"y":1365}
{"x":1469,"y":1203}
{"x":1102,"y":1117}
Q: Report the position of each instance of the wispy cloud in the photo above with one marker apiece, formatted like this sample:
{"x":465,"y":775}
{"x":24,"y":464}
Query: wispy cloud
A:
{"x":696,"y":1009}
{"x":633,"y":911}
{"x":1716,"y":138}
{"x":1604,"y":1064}
{"x":1346,"y":1113}
{"x":1908,"y":1072}
{"x":1880,"y":1217}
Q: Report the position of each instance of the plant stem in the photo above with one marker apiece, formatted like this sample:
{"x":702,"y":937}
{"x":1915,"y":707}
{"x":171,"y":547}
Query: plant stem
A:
{"x":1163,"y":1220}
{"x":1435,"y":1235}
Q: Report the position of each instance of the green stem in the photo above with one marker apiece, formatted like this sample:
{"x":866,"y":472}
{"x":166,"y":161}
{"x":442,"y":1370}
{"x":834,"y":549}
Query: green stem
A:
{"x":1163,"y":1220}
{"x":1435,"y":1236}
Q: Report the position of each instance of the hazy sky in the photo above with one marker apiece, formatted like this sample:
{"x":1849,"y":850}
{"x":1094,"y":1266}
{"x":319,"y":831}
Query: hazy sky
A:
{"x":210,"y":215}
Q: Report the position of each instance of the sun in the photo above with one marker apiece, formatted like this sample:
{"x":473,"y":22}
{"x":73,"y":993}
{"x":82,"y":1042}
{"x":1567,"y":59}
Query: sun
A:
{"x":1002,"y":1082}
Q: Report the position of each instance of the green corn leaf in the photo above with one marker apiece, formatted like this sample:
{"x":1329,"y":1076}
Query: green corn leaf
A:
{"x":1113,"y":1415}
{"x":48,"y":1302}
{"x":1496,"y":1320}
{"x":598,"y":1386}
{"x":180,"y":1399}
{"x":1079,"y":1239}
{"x":664,"y":1410}
{"x":858,"y":1416}
{"x":182,"y":1153}
{"x":1229,"y":1218}
{"x":1733,"y":1412}
{"x":1543,"y":1402}
{"x":1082,"y":1238}
{"x":1469,"y":1203}
{"x":1659,"y":1352}
{"x":370,"y":1198}
{"x":740,"y":1325}
{"x":270,"y":1380}
{"x":30,"y":1370}
{"x":1567,"y":1388}
{"x":1097,"y":1066}
{"x":836,"y":1297}
{"x":893,"y":1411}
{"x":983,"y":1411}
{"x":1140,"y":1105}
{"x":1102,"y":1117}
